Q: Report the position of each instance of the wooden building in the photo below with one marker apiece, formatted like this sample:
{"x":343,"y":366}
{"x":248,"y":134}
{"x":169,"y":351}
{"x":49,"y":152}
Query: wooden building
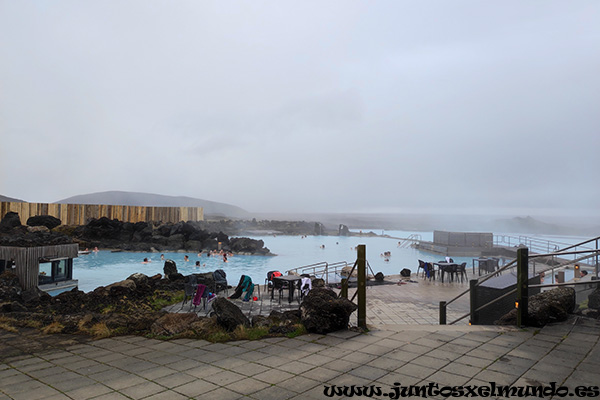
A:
{"x":48,"y":267}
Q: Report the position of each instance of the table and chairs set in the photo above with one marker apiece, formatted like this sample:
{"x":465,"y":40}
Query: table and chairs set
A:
{"x":442,"y":268}
{"x":454,"y":271}
{"x":301,"y":284}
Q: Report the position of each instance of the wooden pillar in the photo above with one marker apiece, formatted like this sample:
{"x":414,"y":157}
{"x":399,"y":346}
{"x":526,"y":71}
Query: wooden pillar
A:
{"x":473,"y":300}
{"x":362,"y":285}
{"x":344,"y":290}
{"x":442,"y":313}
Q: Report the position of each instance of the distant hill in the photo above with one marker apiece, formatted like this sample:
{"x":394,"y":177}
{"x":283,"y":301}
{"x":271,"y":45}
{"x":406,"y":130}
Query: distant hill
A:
{"x":525,"y":225}
{"x":211,"y":208}
{"x":10,"y":199}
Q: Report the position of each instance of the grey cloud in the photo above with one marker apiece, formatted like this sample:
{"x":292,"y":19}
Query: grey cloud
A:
{"x":304,"y":106}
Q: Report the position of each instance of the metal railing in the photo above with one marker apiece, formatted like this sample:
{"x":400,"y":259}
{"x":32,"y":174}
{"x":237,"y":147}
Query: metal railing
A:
{"x":535,"y":245}
{"x":409,"y":241}
{"x":473,"y":284}
{"x":320,"y":270}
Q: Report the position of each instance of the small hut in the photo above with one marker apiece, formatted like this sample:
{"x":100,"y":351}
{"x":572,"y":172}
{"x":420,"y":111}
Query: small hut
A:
{"x":48,"y":267}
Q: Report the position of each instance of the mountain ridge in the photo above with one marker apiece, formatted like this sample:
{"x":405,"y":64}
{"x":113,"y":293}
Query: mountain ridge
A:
{"x":123,"y":198}
{"x":10,"y":199}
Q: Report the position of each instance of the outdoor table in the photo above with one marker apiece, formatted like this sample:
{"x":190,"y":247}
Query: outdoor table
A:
{"x":292,"y":281}
{"x":444,"y":266}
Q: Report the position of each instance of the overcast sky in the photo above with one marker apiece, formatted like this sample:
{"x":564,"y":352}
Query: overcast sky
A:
{"x":282,"y":106}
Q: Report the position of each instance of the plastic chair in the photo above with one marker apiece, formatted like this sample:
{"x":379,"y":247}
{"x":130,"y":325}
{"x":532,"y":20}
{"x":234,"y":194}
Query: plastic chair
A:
{"x":421,"y":266}
{"x":220,"y":278}
{"x":429,"y":270}
{"x":269,"y":280}
{"x":189,"y":289}
{"x":200,"y":296}
{"x":462,"y":271}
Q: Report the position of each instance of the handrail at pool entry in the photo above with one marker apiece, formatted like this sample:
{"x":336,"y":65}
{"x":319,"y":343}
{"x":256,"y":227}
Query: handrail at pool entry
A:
{"x":320,"y":270}
{"x":589,"y":253}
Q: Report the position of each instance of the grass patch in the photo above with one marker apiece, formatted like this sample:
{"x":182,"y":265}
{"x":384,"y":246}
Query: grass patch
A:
{"x":108,"y":309}
{"x":7,"y":327}
{"x":161,"y":299}
{"x":218,"y":337}
{"x":55,"y":327}
{"x":300,"y":330}
{"x":244,"y":333}
{"x":100,"y":330}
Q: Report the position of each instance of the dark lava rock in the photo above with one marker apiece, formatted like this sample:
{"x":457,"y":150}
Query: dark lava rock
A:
{"x":12,"y":233}
{"x":139,"y":279}
{"x":10,"y":289}
{"x":48,"y":221}
{"x":247,"y":245}
{"x":170,"y":268}
{"x":172,"y":324}
{"x":14,"y":306}
{"x":544,"y":308}
{"x":590,"y":313}
{"x":35,"y":296}
{"x":206,"y":278}
{"x":229,"y":316}
{"x":260,"y":321}
{"x":282,"y":329}
{"x":322,"y":312}
{"x":319,"y":229}
{"x":9,"y":221}
{"x":318,"y":283}
{"x":122,"y":288}
{"x":594,"y":299}
{"x":343,"y":230}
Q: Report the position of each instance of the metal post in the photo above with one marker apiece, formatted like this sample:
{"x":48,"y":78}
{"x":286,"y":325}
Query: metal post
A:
{"x":362,"y":285}
{"x":472,"y":290}
{"x":442,"y":313}
{"x":596,"y":258}
{"x":522,"y":303}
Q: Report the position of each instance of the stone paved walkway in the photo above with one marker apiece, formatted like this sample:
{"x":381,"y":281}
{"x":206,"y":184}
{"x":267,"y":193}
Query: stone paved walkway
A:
{"x":282,"y":368}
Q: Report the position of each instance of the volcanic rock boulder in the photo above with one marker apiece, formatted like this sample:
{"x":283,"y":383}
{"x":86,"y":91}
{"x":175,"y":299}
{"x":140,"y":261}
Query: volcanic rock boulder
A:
{"x":122,"y":288}
{"x":247,"y":245}
{"x":172,"y":324}
{"x":544,"y":308}
{"x":170,"y":268}
{"x":10,"y":288}
{"x":206,"y":278}
{"x":48,"y":221}
{"x":343,"y":230}
{"x":229,"y":316}
{"x":594,"y":300}
{"x":322,"y":312}
{"x":11,"y":220}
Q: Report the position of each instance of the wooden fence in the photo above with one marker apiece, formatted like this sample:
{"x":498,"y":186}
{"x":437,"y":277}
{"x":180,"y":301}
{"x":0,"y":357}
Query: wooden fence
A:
{"x":79,"y":214}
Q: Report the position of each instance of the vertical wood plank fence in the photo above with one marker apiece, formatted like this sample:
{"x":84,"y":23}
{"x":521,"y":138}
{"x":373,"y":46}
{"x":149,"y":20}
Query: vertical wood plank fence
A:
{"x":79,"y":214}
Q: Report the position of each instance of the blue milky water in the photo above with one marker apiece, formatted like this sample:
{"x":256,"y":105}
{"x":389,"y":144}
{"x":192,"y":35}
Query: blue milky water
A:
{"x":103,"y":268}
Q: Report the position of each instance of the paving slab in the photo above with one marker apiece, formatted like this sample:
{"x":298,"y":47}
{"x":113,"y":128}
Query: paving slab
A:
{"x":140,"y":368}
